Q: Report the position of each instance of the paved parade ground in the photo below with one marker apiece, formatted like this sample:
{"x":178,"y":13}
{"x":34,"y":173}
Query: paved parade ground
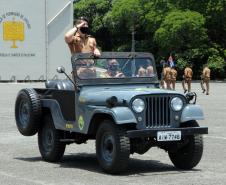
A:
{"x":21,"y":164}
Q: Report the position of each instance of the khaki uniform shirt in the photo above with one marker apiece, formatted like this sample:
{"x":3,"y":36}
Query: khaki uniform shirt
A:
{"x":82,"y":45}
{"x":166,"y":73}
{"x":188,"y":73}
{"x":116,"y":75}
{"x":173,"y":74}
{"x":86,"y":73}
{"x":206,"y":73}
{"x":141,"y":72}
{"x":149,"y":71}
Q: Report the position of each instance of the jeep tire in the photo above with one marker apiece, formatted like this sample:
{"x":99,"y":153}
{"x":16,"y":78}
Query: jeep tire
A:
{"x":188,"y":156}
{"x":49,"y":143}
{"x":112,"y":147}
{"x":28,"y":112}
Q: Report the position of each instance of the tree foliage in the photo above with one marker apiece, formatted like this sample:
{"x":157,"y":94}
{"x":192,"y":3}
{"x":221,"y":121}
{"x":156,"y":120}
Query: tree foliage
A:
{"x":181,"y":31}
{"x":194,"y":31}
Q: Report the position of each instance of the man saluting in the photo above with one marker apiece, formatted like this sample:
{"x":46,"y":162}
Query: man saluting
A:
{"x":78,"y":39}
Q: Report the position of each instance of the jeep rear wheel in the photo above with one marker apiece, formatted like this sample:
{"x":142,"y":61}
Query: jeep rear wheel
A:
{"x":49,"y":143}
{"x":190,"y":155}
{"x":112,"y":147}
{"x":28,"y":112}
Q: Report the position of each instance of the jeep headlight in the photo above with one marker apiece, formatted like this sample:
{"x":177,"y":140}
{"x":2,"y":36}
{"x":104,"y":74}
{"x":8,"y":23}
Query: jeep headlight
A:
{"x":138,"y":105}
{"x":176,"y":104}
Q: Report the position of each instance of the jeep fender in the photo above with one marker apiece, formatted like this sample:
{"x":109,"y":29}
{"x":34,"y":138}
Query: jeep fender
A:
{"x":192,"y":112}
{"x":121,"y":115}
{"x":58,"y":119}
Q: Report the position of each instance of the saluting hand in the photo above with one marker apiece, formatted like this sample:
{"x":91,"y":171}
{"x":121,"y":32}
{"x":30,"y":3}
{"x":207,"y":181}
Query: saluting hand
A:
{"x":80,"y":25}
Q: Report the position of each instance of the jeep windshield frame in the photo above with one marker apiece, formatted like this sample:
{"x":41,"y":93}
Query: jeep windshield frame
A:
{"x":127,"y":56}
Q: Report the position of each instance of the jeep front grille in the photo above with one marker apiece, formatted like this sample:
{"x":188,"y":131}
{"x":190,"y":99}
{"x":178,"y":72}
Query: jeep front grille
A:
{"x":158,"y":111}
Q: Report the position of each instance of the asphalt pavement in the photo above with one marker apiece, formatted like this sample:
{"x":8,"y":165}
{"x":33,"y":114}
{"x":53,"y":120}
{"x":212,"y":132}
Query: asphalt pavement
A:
{"x":21,"y":164}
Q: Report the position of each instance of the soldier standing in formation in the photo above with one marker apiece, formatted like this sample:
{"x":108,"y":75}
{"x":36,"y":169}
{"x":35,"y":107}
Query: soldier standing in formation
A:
{"x":205,"y":78}
{"x":187,"y":78}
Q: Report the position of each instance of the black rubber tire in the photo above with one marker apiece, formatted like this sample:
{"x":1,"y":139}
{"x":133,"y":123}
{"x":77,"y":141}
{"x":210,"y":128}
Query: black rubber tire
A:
{"x":28,"y":112}
{"x":50,"y":147}
{"x":112,"y":147}
{"x":190,"y":155}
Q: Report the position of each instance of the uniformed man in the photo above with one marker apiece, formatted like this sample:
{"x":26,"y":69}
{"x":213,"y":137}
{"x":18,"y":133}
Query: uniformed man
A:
{"x":173,"y":73}
{"x":141,"y":72}
{"x":78,"y":39}
{"x":86,"y":69}
{"x":187,"y":78}
{"x":205,"y":78}
{"x":112,"y":70}
{"x":167,"y":75}
{"x":149,"y":71}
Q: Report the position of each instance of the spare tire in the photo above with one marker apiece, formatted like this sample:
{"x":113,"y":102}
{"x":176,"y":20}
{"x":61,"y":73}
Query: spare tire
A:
{"x":28,"y":112}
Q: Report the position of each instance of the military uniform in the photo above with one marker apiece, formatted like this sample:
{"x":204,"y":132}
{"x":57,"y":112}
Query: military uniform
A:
{"x":141,"y":72}
{"x":111,"y":75}
{"x":86,"y":69}
{"x":150,"y":71}
{"x":205,"y":79}
{"x":80,"y":44}
{"x":85,"y":44}
{"x":188,"y":74}
{"x":187,"y":79}
{"x":167,"y":76}
{"x":206,"y":74}
{"x":173,"y":73}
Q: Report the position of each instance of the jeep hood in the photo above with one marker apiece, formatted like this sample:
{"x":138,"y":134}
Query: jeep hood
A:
{"x":98,"y":95}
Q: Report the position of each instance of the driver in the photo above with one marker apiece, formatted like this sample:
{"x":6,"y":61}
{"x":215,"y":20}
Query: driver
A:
{"x":112,"y":70}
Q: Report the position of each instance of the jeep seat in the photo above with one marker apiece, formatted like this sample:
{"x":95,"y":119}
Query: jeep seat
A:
{"x":59,"y":84}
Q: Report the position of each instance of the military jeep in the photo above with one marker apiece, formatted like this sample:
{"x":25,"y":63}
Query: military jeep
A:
{"x":116,"y":100}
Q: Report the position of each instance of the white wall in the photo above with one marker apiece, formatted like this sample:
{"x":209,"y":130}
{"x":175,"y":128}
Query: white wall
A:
{"x":43,"y":47}
{"x":58,"y":51}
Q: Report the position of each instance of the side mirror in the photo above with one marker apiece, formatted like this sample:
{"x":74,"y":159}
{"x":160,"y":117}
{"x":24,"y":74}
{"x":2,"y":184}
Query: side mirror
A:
{"x":61,"y":69}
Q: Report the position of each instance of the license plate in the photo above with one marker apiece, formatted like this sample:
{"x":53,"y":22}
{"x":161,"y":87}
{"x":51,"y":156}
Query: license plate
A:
{"x":168,"y":135}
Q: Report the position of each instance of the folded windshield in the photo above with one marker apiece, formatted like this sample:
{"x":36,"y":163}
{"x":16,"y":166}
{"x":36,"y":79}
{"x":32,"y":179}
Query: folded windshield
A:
{"x":114,"y":68}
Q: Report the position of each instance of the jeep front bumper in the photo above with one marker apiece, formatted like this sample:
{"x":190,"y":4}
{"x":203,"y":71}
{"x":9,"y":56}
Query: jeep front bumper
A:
{"x":153,"y":132}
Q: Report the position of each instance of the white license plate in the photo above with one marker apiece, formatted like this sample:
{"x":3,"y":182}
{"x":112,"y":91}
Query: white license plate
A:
{"x":168,"y":135}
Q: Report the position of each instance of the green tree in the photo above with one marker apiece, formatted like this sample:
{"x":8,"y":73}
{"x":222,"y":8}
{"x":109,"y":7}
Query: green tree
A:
{"x":181,"y":31}
{"x":124,"y":16}
{"x":216,"y":21}
{"x":95,"y":11}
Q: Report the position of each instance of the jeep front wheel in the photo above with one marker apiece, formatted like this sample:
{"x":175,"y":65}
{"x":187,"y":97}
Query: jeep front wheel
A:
{"x":112,"y":147}
{"x":49,"y":143}
{"x":189,"y":155}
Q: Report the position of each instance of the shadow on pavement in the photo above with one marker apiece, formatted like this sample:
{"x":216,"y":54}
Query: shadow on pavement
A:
{"x":89,"y":162}
{"x":29,"y":159}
